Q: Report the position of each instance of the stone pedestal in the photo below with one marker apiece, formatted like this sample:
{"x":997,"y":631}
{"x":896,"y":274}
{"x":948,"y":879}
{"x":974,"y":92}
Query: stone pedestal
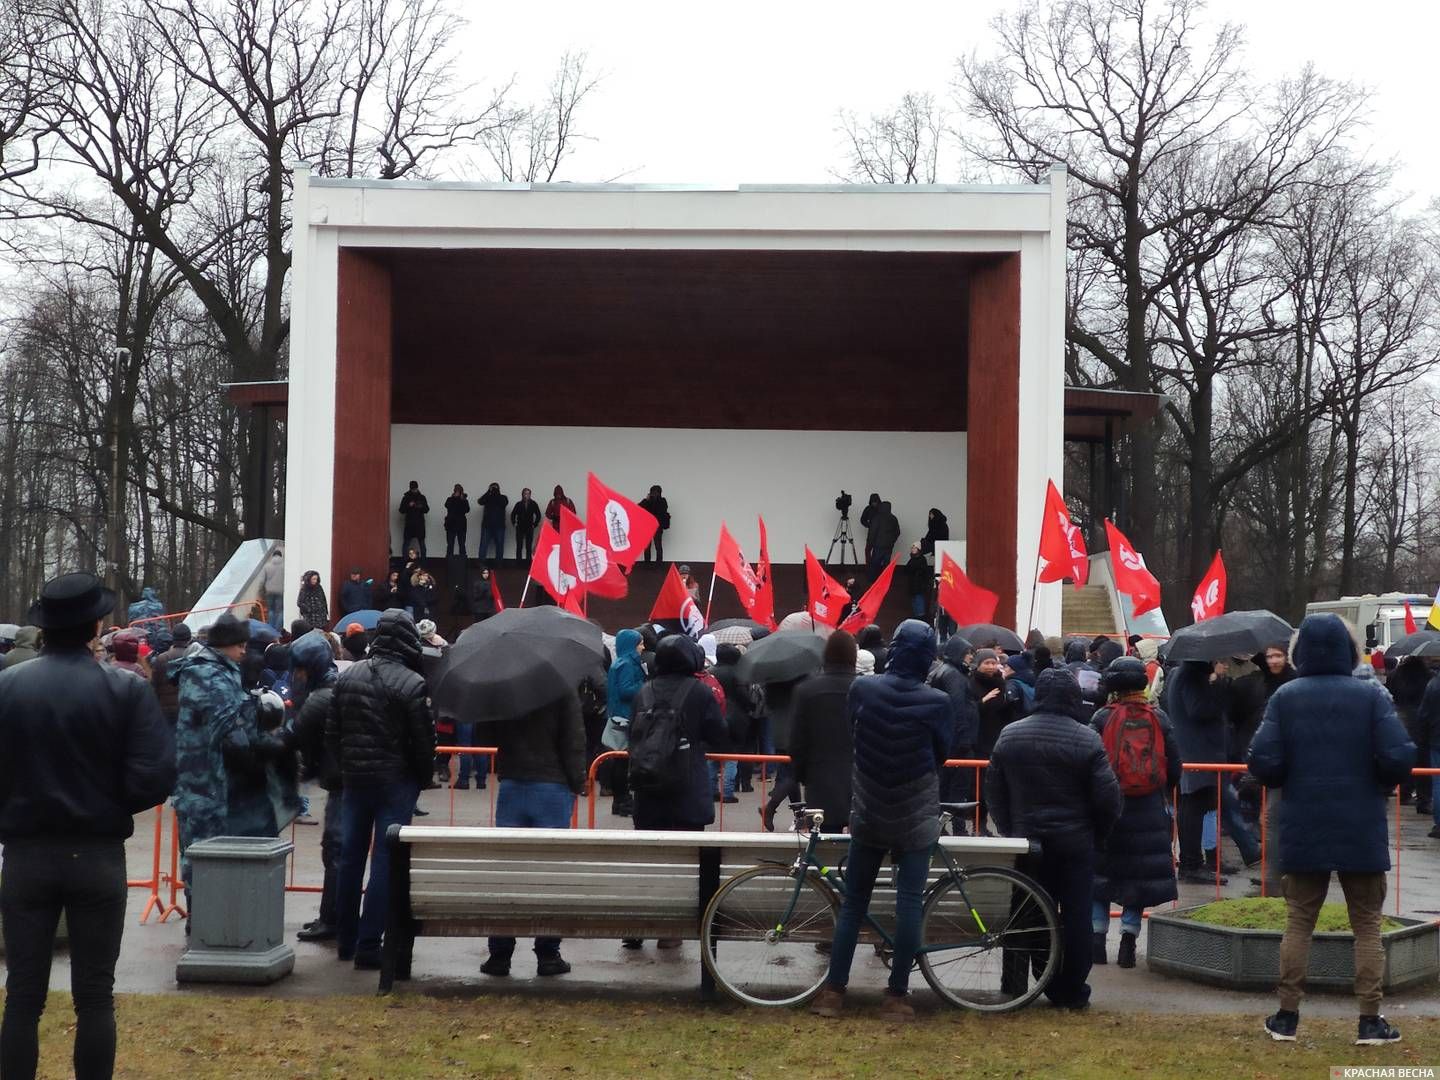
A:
{"x":237,"y":913}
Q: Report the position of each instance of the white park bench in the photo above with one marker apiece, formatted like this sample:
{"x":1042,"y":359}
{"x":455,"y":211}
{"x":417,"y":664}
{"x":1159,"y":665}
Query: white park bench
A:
{"x":571,"y":883}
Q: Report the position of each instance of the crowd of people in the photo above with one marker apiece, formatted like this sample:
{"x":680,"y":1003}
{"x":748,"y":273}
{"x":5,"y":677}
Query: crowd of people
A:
{"x":1085,"y":740}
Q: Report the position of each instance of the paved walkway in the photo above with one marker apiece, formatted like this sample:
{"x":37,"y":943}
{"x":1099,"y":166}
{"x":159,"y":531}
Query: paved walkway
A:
{"x":451,"y":966}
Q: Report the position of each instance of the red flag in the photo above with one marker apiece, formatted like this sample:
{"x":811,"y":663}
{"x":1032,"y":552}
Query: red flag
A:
{"x":963,"y":600}
{"x":730,"y":565}
{"x":623,"y":528}
{"x":1209,"y":599}
{"x":1131,"y":576}
{"x":764,"y":611}
{"x":553,"y":568}
{"x":1410,"y":626}
{"x":1062,"y":548}
{"x":675,"y":602}
{"x":495,"y":591}
{"x":593,"y":567}
{"x":869,"y":608}
{"x":825,"y":597}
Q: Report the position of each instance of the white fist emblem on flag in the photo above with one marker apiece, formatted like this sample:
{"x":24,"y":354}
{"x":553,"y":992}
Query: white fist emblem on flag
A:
{"x":617,"y":524}
{"x":590,"y":559}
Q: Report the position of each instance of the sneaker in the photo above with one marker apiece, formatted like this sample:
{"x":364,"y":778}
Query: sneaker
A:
{"x":1282,"y":1025}
{"x":830,"y":1003}
{"x":1125,"y":958}
{"x":1376,"y":1031}
{"x":462,"y":785}
{"x":551,"y":965}
{"x":895,"y":1009}
{"x":367,"y":960}
{"x":499,"y":966}
{"x":1097,"y":947}
{"x":1201,"y":877}
{"x":730,"y":799}
{"x":421,"y":813}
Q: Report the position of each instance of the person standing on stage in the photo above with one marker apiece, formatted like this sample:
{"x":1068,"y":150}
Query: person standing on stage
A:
{"x":525,"y":517}
{"x":658,"y":507}
{"x":492,"y":521}
{"x":413,"y":508}
{"x":457,"y":509}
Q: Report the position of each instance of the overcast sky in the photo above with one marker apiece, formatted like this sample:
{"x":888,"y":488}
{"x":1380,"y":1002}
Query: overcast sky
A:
{"x":747,"y":92}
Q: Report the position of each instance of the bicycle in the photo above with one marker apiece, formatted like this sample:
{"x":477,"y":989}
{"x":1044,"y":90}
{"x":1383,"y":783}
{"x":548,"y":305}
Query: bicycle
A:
{"x":989,"y":938}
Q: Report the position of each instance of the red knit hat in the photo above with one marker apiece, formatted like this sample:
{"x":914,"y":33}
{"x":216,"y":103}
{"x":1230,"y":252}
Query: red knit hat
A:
{"x":1377,"y":661}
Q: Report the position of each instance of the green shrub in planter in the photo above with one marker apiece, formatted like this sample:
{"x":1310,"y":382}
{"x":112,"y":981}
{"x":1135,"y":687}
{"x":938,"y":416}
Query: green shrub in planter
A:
{"x":1268,"y":913}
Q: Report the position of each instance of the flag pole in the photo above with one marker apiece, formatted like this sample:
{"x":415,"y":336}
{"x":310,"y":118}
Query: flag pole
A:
{"x":711,"y":598}
{"x":525,"y":591}
{"x":1035,"y":578}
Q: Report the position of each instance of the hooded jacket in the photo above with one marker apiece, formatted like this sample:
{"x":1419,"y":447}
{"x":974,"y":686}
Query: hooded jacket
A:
{"x":688,"y":805}
{"x":820,"y":746}
{"x":951,"y":677}
{"x":82,"y":748}
{"x":1198,"y":706}
{"x":873,"y":641}
{"x":627,"y":676}
{"x":147,"y":607}
{"x":939,"y":529}
{"x":312,"y":655}
{"x":902,"y":731}
{"x":1336,"y":746}
{"x":27,"y":647}
{"x":381,"y":728}
{"x":737,"y":702}
{"x":1049,"y":778}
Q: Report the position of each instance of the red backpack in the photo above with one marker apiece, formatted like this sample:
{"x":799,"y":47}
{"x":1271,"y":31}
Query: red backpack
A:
{"x":1135,"y":745}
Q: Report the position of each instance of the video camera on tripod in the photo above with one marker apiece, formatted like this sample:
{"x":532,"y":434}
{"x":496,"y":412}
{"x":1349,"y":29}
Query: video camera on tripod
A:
{"x":843,"y":504}
{"x":842,"y":537}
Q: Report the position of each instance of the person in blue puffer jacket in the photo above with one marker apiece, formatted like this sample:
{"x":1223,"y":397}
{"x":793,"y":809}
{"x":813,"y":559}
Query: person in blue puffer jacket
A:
{"x":627,"y":676}
{"x":902,"y":733}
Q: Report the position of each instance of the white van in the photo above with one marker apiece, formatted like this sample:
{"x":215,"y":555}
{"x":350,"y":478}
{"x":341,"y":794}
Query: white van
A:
{"x":1381,"y":618}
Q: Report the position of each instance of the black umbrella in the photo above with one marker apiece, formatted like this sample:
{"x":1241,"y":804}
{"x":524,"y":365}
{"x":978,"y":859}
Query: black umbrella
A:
{"x":1409,"y":645}
{"x":726,"y":624}
{"x":1430,"y":647}
{"x":1236,"y":633}
{"x":515,"y":662}
{"x":989,"y":636}
{"x":780,"y":657}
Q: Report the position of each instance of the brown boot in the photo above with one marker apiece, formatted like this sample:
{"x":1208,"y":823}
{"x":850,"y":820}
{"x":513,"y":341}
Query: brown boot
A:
{"x":830,"y":1003}
{"x":895,"y":1009}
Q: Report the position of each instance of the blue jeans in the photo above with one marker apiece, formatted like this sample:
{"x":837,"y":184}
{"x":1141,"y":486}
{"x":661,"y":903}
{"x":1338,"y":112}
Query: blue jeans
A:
{"x":479,"y":764}
{"x":861,"y":869}
{"x":366,"y":812}
{"x":495,"y":537}
{"x":275,"y":610}
{"x":1130,"y":918}
{"x":917,"y":605}
{"x":1236,"y":827}
{"x":531,"y":804}
{"x":730,"y":767}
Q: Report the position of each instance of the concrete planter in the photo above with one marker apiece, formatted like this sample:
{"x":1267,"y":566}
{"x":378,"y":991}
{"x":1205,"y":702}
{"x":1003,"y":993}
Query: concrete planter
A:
{"x":1239,"y":959}
{"x":237,"y":921}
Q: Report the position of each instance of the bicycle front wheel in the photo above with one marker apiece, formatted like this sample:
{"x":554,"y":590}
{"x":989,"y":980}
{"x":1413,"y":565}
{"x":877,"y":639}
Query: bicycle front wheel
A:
{"x":754,"y":950}
{"x":990,"y":939}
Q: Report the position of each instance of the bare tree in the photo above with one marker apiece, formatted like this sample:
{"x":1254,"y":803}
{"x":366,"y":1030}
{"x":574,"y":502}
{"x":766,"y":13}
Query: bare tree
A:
{"x":531,"y":143}
{"x":901,"y":146}
{"x":22,"y":87}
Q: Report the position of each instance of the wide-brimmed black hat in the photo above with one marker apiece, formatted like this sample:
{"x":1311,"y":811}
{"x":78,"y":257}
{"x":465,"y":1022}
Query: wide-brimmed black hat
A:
{"x":228,"y":630}
{"x":71,"y":600}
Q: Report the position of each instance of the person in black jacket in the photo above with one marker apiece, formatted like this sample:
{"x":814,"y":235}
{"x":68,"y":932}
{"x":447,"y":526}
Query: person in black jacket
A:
{"x":738,"y":718}
{"x":820,"y":748}
{"x":83,"y":748}
{"x":482,"y":596}
{"x":382,"y":733}
{"x":884,"y":535}
{"x":951,"y":676}
{"x":688,"y":804}
{"x":937,"y":528}
{"x":1135,"y":868}
{"x":867,"y":522}
{"x":492,"y":521}
{"x":1049,"y":780}
{"x":541,"y":764}
{"x":920,"y":579}
{"x":312,"y":689}
{"x":355,"y":593}
{"x":457,"y":513}
{"x":413,"y":508}
{"x":525,"y":517}
{"x":659,"y":507}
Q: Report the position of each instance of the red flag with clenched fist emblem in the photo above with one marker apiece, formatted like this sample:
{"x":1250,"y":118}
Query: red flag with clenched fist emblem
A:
{"x":1209,"y":599}
{"x":623,"y":528}
{"x":1131,"y":575}
{"x":1062,"y":548}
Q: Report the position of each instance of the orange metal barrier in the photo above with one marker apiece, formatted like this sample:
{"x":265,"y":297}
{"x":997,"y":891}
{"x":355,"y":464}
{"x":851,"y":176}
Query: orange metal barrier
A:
{"x":176,"y":616}
{"x":611,"y":755}
{"x":153,"y":881}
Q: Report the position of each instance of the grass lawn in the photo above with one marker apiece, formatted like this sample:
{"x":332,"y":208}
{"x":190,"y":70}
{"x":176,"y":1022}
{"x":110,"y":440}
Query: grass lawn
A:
{"x":196,"y":1036}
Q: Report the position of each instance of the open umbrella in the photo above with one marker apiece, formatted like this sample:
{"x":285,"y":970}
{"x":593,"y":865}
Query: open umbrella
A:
{"x":726,"y":624}
{"x":989,"y":636}
{"x":366,"y":617}
{"x":1409,"y":645}
{"x":1236,"y":633}
{"x":733,"y":635}
{"x":263,"y":632}
{"x":516,"y":662}
{"x":1430,"y":647}
{"x":780,"y":657}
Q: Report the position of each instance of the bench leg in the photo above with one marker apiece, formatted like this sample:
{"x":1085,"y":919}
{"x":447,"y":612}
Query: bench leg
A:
{"x":709,"y":885}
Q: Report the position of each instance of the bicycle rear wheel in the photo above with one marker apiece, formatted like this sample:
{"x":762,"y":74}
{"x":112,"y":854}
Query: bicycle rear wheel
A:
{"x":753,"y":951}
{"x":990,"y":940}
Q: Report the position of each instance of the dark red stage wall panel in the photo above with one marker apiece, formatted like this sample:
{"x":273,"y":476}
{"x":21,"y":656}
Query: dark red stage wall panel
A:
{"x":994,"y":430}
{"x":362,"y":421}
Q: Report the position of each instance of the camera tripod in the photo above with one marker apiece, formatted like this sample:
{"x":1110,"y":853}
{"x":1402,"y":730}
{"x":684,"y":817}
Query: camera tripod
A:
{"x":842,"y":537}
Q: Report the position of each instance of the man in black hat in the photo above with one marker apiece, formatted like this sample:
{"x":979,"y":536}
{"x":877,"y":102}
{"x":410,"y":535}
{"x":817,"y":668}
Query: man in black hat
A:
{"x":83,"y":747}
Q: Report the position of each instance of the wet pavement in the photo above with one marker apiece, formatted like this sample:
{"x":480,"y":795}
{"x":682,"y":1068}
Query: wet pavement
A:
{"x":450,"y":967}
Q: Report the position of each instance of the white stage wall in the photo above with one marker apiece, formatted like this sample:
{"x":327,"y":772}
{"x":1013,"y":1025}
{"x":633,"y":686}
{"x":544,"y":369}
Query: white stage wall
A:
{"x":791,"y":477}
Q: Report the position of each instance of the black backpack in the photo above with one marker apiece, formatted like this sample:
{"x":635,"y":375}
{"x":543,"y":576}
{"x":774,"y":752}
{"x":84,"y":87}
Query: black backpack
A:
{"x":659,"y":750}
